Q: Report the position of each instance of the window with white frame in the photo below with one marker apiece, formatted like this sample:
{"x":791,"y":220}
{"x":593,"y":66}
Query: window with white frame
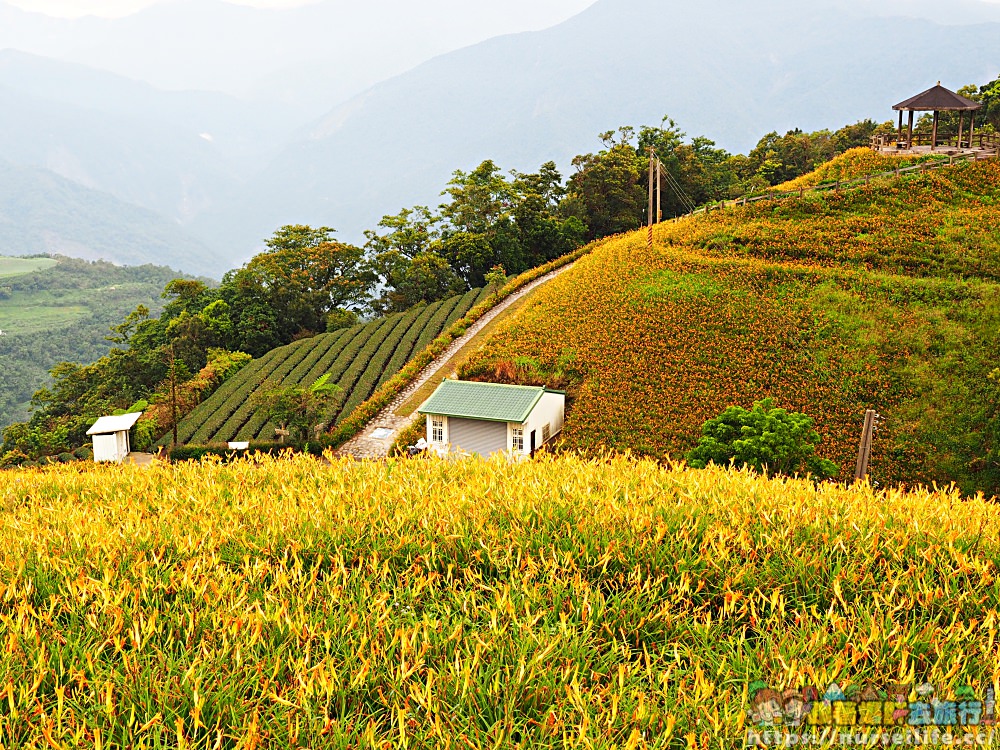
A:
{"x":437,"y":429}
{"x":546,"y":433}
{"x":517,"y":439}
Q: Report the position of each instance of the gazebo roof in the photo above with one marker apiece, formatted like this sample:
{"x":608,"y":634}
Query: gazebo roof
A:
{"x":938,"y":99}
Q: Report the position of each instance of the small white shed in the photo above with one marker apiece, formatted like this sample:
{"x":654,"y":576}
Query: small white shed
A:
{"x":487,"y":418}
{"x":111,"y":438}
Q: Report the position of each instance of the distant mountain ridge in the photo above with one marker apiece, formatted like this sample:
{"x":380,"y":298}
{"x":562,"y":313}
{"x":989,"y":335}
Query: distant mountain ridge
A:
{"x":311,"y":56}
{"x":727,"y":69}
{"x":41,"y":212}
{"x":230,"y":171}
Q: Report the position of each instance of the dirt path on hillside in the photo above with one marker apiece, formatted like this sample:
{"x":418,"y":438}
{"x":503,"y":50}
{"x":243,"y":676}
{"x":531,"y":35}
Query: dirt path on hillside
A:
{"x":389,"y":422}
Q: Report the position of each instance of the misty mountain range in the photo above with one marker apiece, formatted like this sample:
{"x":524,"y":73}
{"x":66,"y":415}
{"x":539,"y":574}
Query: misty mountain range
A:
{"x":312,"y":134}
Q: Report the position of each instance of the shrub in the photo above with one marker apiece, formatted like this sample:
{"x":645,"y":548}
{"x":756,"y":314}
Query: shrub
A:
{"x":409,"y":436}
{"x":340,"y":318}
{"x":13,"y":459}
{"x":766,"y":439}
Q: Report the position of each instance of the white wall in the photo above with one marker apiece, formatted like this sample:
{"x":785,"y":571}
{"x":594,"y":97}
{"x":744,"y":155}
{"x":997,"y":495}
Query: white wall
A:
{"x":108,"y":448}
{"x":551,"y":409}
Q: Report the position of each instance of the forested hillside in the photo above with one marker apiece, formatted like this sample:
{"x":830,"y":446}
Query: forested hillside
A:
{"x":883,"y":297}
{"x":62,"y":312}
{"x":491,"y":224}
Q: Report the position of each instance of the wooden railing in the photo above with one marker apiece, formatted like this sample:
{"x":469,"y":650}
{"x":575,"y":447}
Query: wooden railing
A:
{"x":837,"y":185}
{"x":892,"y":141}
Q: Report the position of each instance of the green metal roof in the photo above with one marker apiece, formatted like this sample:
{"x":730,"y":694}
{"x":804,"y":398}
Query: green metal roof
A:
{"x":489,"y":402}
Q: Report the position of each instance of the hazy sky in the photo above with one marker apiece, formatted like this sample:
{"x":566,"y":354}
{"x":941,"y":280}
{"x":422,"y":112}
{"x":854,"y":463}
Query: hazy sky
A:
{"x":75,"y":8}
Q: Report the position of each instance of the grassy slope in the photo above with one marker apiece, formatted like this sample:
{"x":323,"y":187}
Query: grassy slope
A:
{"x":423,"y":604}
{"x":358,"y":360}
{"x":18,"y":266}
{"x":883,"y":297}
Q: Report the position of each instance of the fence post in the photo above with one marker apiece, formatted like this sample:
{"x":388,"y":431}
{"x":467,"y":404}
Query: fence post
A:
{"x":865,"y":448}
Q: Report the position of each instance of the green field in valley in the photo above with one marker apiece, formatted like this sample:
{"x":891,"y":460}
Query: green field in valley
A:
{"x":55,"y":310}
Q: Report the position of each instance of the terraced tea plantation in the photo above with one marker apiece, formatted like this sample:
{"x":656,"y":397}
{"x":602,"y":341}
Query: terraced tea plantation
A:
{"x":358,"y":359}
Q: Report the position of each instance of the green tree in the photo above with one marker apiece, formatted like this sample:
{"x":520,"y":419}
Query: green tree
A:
{"x":408,"y":234}
{"x":121,"y":333}
{"x":425,"y":278}
{"x":298,"y":409}
{"x":292,"y":287}
{"x":989,"y":95}
{"x":496,"y":279}
{"x":544,"y":231}
{"x":765,"y":438}
{"x":609,"y":185}
{"x":340,"y":318}
{"x":480,"y":199}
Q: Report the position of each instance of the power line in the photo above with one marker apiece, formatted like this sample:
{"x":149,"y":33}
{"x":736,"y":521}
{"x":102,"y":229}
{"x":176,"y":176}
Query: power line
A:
{"x":684,"y":199}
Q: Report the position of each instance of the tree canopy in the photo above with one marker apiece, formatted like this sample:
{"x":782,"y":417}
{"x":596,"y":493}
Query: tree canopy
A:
{"x":765,"y":438}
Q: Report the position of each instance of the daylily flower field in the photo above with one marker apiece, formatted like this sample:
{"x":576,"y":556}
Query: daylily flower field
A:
{"x":413,"y":603}
{"x":882,"y":297}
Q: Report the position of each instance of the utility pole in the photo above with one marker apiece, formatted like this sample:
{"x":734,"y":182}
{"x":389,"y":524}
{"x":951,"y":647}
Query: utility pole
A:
{"x":649,"y":215}
{"x":659,"y":187}
{"x":865,"y":449}
{"x":173,"y":390}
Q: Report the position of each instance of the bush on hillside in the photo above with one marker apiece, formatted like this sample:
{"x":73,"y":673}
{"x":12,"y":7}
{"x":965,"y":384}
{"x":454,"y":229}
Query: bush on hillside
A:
{"x":409,"y":436}
{"x":767,"y":439}
{"x":340,"y":318}
{"x":13,"y":459}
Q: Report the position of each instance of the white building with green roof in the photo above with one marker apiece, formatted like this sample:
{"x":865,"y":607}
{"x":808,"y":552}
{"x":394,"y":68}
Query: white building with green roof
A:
{"x":488,"y":418}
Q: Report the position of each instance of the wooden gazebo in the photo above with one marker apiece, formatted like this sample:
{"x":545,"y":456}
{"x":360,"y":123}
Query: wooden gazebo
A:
{"x":938,"y":99}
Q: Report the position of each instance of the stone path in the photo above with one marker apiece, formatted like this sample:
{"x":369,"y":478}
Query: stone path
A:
{"x":388,"y":423}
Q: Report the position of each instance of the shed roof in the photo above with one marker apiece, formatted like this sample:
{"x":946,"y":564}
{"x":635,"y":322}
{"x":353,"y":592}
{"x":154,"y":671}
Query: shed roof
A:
{"x":488,"y":402}
{"x":938,"y":98}
{"x":106,"y":425}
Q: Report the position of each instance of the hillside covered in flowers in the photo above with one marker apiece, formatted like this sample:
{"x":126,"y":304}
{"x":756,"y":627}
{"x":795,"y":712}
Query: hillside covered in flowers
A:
{"x":883,"y":297}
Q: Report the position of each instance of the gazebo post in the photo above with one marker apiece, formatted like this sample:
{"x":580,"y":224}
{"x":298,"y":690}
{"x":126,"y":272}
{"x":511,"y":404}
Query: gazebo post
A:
{"x":900,"y":136}
{"x":961,"y":127}
{"x":909,"y":133}
{"x":934,"y":133}
{"x":972,"y":127}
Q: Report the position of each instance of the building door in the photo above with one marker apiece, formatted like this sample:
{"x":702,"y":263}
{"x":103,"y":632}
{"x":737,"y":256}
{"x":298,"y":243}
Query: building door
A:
{"x":532,"y":442}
